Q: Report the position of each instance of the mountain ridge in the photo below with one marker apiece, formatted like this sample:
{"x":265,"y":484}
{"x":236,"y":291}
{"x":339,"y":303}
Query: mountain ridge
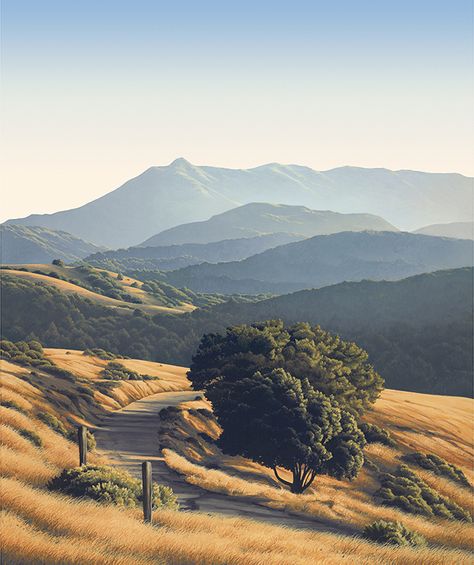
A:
{"x":163,"y":197}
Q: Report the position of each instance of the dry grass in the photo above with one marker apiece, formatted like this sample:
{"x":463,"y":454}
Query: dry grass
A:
{"x":58,"y":530}
{"x":38,"y":526}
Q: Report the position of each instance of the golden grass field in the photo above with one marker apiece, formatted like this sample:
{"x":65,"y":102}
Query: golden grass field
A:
{"x":41,"y":527}
{"x":151,"y":304}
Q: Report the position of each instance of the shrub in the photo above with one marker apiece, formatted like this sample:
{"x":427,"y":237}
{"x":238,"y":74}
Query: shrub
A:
{"x":13,"y":405}
{"x":438,"y":466}
{"x":374,"y":434}
{"x":31,"y":436}
{"x":393,"y":533}
{"x":409,"y":492}
{"x":101,"y":354}
{"x":58,"y":262}
{"x":54,"y":423}
{"x":118,"y":372}
{"x":109,"y":485}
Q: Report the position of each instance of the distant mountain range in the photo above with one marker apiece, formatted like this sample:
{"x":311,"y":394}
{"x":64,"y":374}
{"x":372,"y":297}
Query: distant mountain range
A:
{"x":25,"y":244}
{"x":326,"y":260}
{"x":164,"y":197}
{"x":171,"y":257}
{"x":459,"y":230}
{"x":258,"y":218}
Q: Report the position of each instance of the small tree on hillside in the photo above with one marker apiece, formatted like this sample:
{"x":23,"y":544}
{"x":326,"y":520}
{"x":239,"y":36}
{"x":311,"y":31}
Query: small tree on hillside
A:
{"x":335,"y":367}
{"x":58,"y":262}
{"x":280,"y":421}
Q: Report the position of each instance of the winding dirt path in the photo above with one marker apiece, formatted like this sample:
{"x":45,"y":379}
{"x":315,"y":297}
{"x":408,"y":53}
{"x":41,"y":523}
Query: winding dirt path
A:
{"x":129,"y":436}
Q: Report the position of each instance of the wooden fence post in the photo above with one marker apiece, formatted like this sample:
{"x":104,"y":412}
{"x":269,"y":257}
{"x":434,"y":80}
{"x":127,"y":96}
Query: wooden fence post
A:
{"x":82,"y":440}
{"x":147,"y":490}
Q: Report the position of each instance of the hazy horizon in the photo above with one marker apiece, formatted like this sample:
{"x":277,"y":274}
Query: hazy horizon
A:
{"x":96,"y":93}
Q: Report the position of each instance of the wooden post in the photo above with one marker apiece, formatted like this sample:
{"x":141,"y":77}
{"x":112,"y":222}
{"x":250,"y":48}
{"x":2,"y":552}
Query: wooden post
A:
{"x":82,"y":440}
{"x":147,"y":490}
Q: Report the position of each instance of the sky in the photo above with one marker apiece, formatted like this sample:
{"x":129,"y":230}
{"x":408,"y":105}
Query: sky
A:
{"x":95,"y":92}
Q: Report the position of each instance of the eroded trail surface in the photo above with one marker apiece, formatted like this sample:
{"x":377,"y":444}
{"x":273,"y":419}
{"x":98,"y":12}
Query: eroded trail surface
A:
{"x":130,"y":436}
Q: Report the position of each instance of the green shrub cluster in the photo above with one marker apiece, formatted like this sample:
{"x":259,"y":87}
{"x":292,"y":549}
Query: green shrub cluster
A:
{"x":57,"y":426}
{"x":117,"y":372}
{"x":374,"y":434}
{"x":102,"y":354}
{"x":33,"y":437}
{"x":109,"y":485}
{"x":409,"y":492}
{"x":31,"y":354}
{"x":438,"y":466}
{"x":393,"y":533}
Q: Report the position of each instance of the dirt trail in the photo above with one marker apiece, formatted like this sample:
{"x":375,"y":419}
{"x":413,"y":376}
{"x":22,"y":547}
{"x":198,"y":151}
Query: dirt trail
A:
{"x":130,"y":436}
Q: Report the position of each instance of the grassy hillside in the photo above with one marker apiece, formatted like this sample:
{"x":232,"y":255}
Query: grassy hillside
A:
{"x":330,"y":259}
{"x":260,"y":218}
{"x":169,"y":257}
{"x":418,"y":331}
{"x":111,"y":289}
{"x":415,"y":423}
{"x":39,"y":526}
{"x":33,"y":244}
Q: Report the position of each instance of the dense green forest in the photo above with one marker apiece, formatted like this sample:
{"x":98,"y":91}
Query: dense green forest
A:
{"x":418,"y":331}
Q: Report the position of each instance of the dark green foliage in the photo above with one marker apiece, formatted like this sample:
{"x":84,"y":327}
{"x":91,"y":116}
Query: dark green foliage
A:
{"x":58,"y":262}
{"x":13,"y":405}
{"x":409,"y":492}
{"x":438,"y":466}
{"x":278,"y":420}
{"x":420,"y":338}
{"x":102,"y":354}
{"x":109,"y":485}
{"x":393,"y":533}
{"x":117,"y":372}
{"x":33,"y":437}
{"x":30,"y":354}
{"x":331,"y":365}
{"x":374,"y":434}
{"x":54,"y":423}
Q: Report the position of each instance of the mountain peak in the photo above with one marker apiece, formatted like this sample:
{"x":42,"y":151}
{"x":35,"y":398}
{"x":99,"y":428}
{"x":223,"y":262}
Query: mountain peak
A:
{"x":180,"y":162}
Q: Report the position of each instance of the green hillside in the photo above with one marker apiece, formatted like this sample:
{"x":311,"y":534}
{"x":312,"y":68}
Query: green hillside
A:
{"x":418,"y":331}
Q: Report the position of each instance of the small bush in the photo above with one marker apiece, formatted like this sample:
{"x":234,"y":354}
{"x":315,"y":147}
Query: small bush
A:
{"x":54,"y":423}
{"x":438,"y":466}
{"x":109,"y":485}
{"x":13,"y":405}
{"x":101,"y":354}
{"x":409,"y":492}
{"x":31,"y":436}
{"x":393,"y":533}
{"x":374,"y":434}
{"x":117,"y":372}
{"x":58,"y":263}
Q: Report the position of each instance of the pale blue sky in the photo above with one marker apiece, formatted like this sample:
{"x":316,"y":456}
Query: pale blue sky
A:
{"x":94,"y":92}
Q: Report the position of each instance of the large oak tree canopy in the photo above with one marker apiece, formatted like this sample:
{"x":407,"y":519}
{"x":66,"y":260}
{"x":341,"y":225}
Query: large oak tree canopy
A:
{"x":281,"y":421}
{"x":335,"y":367}
{"x":288,"y":398}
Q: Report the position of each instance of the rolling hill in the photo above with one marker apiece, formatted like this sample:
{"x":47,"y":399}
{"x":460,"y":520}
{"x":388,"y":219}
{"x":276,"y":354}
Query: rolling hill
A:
{"x":172,"y":257}
{"x":34,"y":244}
{"x":459,"y":230}
{"x":42,"y":526}
{"x":326,"y":260}
{"x":260,"y":218}
{"x":163,"y":197}
{"x":418,"y":331}
{"x":105,"y":288}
